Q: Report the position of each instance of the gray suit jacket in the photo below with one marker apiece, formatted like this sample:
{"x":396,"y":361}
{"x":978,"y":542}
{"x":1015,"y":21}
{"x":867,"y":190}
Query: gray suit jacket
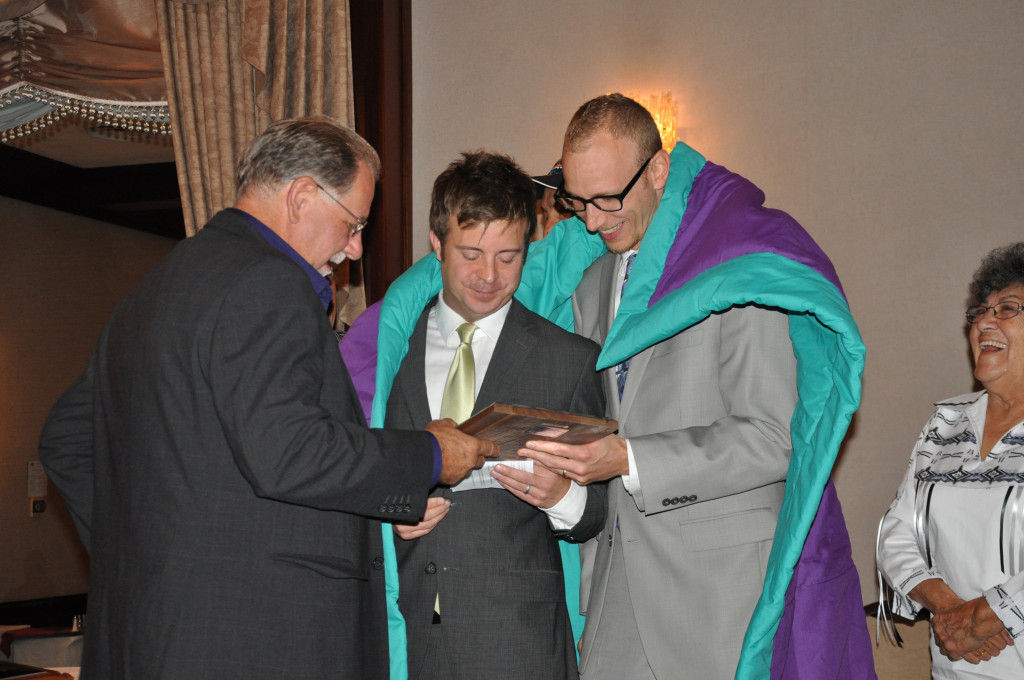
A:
{"x":217,"y":463}
{"x":494,"y":559}
{"x":707,"y":413}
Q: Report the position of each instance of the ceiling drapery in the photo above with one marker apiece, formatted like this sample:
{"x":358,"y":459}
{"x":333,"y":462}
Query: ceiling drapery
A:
{"x":99,"y":59}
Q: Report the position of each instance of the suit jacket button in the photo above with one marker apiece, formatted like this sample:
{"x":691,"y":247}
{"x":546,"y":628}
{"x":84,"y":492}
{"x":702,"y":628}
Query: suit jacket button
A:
{"x":378,"y":562}
{"x":666,"y":502}
{"x":609,"y":539}
{"x":431,"y":568}
{"x":693,"y":498}
{"x":382,"y":507}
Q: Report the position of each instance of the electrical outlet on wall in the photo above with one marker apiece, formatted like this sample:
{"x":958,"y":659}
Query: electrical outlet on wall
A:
{"x":36,"y":488}
{"x":36,"y":479}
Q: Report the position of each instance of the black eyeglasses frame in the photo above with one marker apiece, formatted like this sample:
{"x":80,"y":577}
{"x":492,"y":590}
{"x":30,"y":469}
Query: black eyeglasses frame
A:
{"x":565,"y":199}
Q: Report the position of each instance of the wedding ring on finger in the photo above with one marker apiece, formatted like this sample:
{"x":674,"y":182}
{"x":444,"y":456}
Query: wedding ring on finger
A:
{"x":563,"y":474}
{"x":528,"y":487}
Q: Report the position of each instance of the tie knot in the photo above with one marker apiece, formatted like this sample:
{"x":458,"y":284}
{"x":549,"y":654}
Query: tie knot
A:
{"x":629,"y":263}
{"x":465,"y":332}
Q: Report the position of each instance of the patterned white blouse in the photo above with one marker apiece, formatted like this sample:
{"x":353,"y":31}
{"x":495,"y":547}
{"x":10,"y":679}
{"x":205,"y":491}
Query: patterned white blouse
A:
{"x":961,"y":519}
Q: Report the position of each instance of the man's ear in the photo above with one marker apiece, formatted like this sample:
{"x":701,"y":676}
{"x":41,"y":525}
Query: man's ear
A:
{"x":659,"y":166}
{"x":300,"y":196}
{"x":435,"y":245}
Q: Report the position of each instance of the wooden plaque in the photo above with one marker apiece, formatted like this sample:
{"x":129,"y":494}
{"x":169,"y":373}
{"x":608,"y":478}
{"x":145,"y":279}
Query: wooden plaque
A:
{"x":511,"y":426}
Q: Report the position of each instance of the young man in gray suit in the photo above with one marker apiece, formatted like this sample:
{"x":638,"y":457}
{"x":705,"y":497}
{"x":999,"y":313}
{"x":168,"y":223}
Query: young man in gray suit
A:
{"x":481,"y":585}
{"x":699,"y":466}
{"x":215,"y":457}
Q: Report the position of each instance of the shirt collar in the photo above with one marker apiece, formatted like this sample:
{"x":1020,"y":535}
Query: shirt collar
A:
{"x":321,"y":286}
{"x":623,"y":259}
{"x":964,"y":400}
{"x":448,"y":320}
{"x":973,"y":405}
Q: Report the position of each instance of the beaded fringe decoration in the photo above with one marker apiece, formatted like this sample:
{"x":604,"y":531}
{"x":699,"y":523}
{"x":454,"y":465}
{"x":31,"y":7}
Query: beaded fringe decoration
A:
{"x":145,"y":117}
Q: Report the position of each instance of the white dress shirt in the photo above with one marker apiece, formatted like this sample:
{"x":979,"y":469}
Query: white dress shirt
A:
{"x":630,"y":480}
{"x":441,"y":343}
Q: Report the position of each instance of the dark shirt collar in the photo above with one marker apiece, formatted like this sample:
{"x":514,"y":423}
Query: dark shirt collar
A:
{"x":320,"y":284}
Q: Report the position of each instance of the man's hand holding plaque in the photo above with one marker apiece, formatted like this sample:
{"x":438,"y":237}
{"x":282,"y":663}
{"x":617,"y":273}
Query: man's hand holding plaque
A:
{"x":510,"y":427}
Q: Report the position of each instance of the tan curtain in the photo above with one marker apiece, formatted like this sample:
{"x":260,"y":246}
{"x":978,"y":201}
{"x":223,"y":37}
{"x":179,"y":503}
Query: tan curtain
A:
{"x":234,"y":66}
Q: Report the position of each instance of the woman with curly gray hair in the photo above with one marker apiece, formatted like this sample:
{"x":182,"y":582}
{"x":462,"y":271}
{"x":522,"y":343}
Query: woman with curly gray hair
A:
{"x":952,"y":541}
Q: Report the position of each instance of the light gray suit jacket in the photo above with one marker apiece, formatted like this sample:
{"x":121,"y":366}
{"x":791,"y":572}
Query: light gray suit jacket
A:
{"x":707,"y":413}
{"x":494,"y":559}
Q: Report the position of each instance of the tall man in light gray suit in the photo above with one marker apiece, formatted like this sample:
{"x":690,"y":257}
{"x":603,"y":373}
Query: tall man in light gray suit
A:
{"x":214,"y":454}
{"x":481,"y":584}
{"x":698,"y":469}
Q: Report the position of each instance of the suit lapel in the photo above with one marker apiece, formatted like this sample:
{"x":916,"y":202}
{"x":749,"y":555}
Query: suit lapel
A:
{"x":511,"y":351}
{"x":609,"y":267}
{"x":411,"y":376}
{"x":606,"y":309}
{"x":637,"y":366}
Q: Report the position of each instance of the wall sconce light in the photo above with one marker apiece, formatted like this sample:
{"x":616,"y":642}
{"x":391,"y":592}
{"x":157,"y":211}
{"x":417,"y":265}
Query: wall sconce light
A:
{"x":665,"y":111}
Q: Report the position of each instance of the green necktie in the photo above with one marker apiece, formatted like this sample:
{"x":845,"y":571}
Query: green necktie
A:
{"x":459,"y":391}
{"x":460,"y":387}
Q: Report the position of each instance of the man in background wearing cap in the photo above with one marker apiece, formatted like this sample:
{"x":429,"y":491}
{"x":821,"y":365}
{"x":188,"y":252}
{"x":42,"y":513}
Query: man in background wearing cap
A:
{"x":549,"y":211}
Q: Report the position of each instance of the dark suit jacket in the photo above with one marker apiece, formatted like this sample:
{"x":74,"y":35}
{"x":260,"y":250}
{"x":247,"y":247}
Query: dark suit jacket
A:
{"x":217,"y":464}
{"x":494,"y":559}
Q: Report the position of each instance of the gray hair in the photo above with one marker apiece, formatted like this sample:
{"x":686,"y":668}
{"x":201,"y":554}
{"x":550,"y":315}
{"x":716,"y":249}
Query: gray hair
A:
{"x":1001,"y":268}
{"x":318,"y":146}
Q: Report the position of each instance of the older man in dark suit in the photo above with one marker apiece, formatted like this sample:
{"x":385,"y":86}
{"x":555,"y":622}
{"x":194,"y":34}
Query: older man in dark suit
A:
{"x":214,"y":456}
{"x":481,"y":586}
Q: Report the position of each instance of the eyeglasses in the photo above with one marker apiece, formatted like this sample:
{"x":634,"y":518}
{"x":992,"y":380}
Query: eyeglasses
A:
{"x":353,"y":227}
{"x":1001,"y":310}
{"x":604,"y":203}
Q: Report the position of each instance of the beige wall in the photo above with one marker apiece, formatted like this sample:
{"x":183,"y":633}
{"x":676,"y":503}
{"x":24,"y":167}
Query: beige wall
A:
{"x":891,"y":130}
{"x":60,"y":277}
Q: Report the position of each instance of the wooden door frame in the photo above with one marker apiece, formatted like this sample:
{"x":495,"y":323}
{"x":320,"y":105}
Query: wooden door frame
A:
{"x":382,"y":92}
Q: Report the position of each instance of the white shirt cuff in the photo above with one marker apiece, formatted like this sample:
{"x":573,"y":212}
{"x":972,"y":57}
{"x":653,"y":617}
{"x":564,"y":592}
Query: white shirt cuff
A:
{"x":567,"y":513}
{"x":904,"y":605}
{"x":1001,"y":599}
{"x":631,"y":480}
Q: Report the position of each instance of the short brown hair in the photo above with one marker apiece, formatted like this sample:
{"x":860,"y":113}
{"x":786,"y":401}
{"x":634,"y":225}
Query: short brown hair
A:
{"x":620,"y":115}
{"x":479,"y":188}
{"x":317,"y":146}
